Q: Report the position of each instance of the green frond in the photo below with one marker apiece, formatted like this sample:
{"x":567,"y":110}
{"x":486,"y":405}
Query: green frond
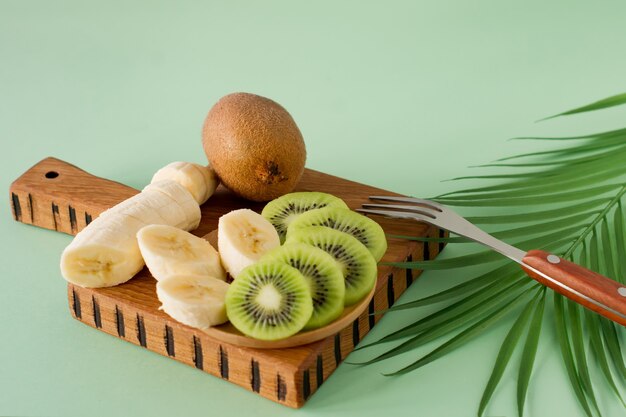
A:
{"x":532,"y":216}
{"x":580,"y":356}
{"x":566,"y":351}
{"x":504,"y":355}
{"x":464,"y":336}
{"x":566,"y":196}
{"x":612,"y":101}
{"x":601,"y":135}
{"x":529,"y":353}
{"x":567,"y":199}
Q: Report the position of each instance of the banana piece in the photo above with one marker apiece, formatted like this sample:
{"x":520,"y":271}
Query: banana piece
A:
{"x":168,"y":251}
{"x":243,"y":236}
{"x":184,"y":202}
{"x":106,"y":252}
{"x":194,"y":300}
{"x":102,"y":256}
{"x":199,"y":180}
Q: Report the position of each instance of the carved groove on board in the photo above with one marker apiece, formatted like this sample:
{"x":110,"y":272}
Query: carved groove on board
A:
{"x":337,"y":349}
{"x":281,"y":388}
{"x":197,"y":353}
{"x":55,"y":214}
{"x":97,"y":319}
{"x":255,"y":376}
{"x":141,"y":331}
{"x":17,"y":209}
{"x":426,"y":252}
{"x":168,"y":339}
{"x":119,"y":322}
{"x":31,"y":208}
{"x":371,"y":319}
{"x":319,"y":371}
{"x":442,"y":234}
{"x":356,"y":337}
{"x":76,"y":304}
{"x":223,"y":363}
{"x":408,"y":272}
{"x":306,"y":384}
{"x":72,"y":213}
{"x":87,"y":218}
{"x":391,"y":296}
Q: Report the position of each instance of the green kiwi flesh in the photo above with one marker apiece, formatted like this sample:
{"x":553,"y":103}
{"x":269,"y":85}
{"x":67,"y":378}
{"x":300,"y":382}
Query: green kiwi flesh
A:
{"x":324,"y":276}
{"x":269,"y":301}
{"x":283,"y":210}
{"x":366,"y":230}
{"x":357,"y":263}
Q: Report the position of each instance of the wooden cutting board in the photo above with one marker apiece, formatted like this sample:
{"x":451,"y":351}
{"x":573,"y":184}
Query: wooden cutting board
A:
{"x":56,"y":195}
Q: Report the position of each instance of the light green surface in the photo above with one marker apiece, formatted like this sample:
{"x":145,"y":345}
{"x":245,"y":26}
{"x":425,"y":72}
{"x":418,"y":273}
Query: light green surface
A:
{"x":399,"y":95}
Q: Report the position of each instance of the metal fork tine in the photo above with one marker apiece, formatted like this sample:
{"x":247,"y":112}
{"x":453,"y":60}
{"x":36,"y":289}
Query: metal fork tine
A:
{"x":397,"y":214}
{"x":426,"y":211}
{"x":429,"y":203}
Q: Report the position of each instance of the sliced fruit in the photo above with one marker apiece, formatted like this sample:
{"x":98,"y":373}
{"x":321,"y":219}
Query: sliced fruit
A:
{"x":184,"y":200}
{"x":101,"y":257}
{"x":106,"y":252}
{"x":269,"y":301}
{"x":366,"y":230}
{"x":283,"y":210}
{"x":194,"y":300}
{"x":169,"y":251}
{"x":357,"y":263}
{"x":243,"y":236}
{"x":199,"y":180}
{"x":323,"y":274}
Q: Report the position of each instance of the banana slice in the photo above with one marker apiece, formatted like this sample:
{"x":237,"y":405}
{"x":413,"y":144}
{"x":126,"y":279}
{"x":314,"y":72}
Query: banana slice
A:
{"x":200,"y":181}
{"x":169,"y":251}
{"x":243,"y":236}
{"x":194,"y":300}
{"x":184,"y":202}
{"x":102,"y":256}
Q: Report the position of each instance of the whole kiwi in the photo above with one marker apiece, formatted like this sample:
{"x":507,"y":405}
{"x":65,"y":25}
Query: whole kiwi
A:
{"x":254,"y":146}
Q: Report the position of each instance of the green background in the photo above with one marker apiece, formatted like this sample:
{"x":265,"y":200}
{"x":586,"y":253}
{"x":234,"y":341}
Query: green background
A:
{"x":400,"y":95}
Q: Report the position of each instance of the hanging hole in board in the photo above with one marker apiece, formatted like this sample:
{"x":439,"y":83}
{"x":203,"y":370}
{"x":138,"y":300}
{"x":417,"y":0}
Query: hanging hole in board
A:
{"x":52,"y":174}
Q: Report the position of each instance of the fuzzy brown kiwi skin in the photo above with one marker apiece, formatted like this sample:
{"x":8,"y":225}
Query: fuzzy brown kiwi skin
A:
{"x":254,"y":146}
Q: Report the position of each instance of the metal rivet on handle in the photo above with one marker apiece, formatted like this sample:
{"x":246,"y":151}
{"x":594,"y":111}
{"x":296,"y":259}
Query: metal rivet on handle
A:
{"x":553,"y":259}
{"x":622,"y":291}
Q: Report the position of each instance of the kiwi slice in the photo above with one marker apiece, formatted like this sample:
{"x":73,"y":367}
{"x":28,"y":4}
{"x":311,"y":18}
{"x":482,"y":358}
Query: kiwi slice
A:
{"x":366,"y":230}
{"x":283,"y":210}
{"x":269,"y":301}
{"x":323,"y":274}
{"x":357,"y":263}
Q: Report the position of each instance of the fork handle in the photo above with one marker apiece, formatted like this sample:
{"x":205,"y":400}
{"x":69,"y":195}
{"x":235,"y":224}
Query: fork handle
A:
{"x":589,"y":289}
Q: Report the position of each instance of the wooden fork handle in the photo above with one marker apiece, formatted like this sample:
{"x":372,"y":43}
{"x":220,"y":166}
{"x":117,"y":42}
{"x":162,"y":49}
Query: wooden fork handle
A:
{"x":589,"y":289}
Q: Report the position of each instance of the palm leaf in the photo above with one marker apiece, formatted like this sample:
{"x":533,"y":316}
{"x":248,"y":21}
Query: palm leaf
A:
{"x":580,"y":356}
{"x":528,"y":355}
{"x":504,"y":355}
{"x":597,"y":348}
{"x":462,"y":337}
{"x":566,"y":352}
{"x":533,"y":216}
{"x":612,"y":101}
{"x":568,"y":200}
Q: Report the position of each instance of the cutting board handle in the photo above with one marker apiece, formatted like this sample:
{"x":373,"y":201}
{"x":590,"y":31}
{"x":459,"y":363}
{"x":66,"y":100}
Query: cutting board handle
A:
{"x":59,"y":196}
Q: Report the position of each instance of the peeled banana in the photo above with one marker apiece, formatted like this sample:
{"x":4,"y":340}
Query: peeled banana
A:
{"x":169,"y":251}
{"x":195,"y":300}
{"x":243,"y":236}
{"x":106,"y":253}
{"x":200,"y":181}
{"x":187,"y":205}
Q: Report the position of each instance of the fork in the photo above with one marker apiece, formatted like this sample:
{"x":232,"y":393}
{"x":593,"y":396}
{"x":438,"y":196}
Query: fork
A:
{"x":589,"y":289}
